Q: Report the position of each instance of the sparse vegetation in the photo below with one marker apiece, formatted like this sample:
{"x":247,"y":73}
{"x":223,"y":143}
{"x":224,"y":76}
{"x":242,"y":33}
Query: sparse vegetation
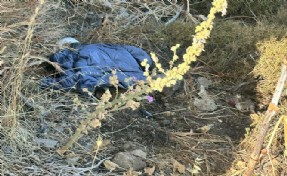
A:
{"x":178,"y":138}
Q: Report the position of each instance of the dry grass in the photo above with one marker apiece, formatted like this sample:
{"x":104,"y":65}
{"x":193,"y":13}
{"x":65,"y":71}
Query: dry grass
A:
{"x":28,"y":34}
{"x":28,"y":113}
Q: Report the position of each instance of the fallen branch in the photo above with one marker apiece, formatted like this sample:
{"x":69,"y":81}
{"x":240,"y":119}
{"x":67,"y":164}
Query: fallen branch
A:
{"x":272,"y":109}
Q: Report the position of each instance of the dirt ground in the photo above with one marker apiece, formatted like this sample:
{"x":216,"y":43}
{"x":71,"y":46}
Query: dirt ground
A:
{"x":169,"y":129}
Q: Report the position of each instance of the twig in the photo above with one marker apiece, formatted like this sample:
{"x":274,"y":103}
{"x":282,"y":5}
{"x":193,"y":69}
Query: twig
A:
{"x":273,"y":133}
{"x":164,"y":112}
{"x":285,"y":134}
{"x":207,"y":164}
{"x":82,"y":170}
{"x":126,"y":127}
{"x":186,"y":6}
{"x":265,"y":125}
{"x":174,"y":17}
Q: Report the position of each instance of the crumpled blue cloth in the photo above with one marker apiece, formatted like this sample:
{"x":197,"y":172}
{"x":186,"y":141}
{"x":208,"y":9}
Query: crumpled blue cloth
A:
{"x":90,"y":66}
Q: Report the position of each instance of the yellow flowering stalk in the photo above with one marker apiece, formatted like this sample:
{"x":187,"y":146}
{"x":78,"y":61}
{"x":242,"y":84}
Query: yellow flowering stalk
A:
{"x":202,"y":33}
{"x":175,"y":56}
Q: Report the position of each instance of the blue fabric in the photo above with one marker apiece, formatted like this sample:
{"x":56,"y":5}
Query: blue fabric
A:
{"x":90,"y":66}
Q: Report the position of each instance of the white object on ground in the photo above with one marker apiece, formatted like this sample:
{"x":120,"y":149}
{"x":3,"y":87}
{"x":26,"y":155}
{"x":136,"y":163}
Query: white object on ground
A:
{"x":206,"y":103}
{"x":67,"y":40}
{"x":202,"y":81}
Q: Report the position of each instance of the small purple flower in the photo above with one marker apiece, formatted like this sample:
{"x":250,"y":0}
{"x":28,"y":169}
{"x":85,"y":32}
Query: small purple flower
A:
{"x":149,"y":98}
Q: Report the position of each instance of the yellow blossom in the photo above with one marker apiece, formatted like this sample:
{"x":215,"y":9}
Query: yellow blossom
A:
{"x":202,"y":33}
{"x":106,"y":96}
{"x":114,"y":80}
{"x":132,"y":104}
{"x":174,"y":48}
{"x":144,"y":63}
{"x":95,"y":123}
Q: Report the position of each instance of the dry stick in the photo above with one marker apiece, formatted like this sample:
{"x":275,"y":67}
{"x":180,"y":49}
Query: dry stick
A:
{"x":265,"y":125}
{"x":186,"y":6}
{"x":75,"y":137}
{"x":174,"y":17}
{"x":285,"y":134}
{"x":183,"y":10}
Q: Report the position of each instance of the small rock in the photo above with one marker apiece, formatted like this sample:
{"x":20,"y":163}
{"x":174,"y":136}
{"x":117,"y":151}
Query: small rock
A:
{"x":128,"y":160}
{"x":202,"y":81}
{"x":245,"y":106}
{"x":166,"y":122}
{"x":129,"y":146}
{"x":242,"y":104}
{"x":139,"y":153}
{"x":205,"y":103}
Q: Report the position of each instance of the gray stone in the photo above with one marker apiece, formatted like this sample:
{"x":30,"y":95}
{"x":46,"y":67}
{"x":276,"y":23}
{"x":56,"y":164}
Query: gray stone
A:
{"x":205,"y":102}
{"x":202,"y":81}
{"x":139,"y":153}
{"x":128,"y":160}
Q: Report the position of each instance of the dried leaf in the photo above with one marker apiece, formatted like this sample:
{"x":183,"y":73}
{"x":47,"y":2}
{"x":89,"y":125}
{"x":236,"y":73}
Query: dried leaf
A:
{"x":99,"y":142}
{"x":131,"y":172}
{"x":56,"y":66}
{"x":110,"y":165}
{"x":2,"y":51}
{"x":95,"y":123}
{"x":178,"y":167}
{"x":255,"y":119}
{"x":196,"y":169}
{"x":183,"y":134}
{"x":3,"y":70}
{"x":149,"y":170}
{"x":205,"y":128}
{"x":35,"y":63}
{"x":104,"y":144}
{"x":132,"y":104}
{"x":273,"y":107}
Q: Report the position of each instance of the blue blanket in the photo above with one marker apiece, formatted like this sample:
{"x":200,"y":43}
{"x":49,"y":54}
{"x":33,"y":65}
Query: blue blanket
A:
{"x":91,"y":66}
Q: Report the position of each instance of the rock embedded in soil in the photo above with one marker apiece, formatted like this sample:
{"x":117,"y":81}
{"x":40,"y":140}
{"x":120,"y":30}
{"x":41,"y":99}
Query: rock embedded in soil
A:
{"x":139,"y":153}
{"x":133,"y":159}
{"x":205,"y":102}
{"x":202,"y":81}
